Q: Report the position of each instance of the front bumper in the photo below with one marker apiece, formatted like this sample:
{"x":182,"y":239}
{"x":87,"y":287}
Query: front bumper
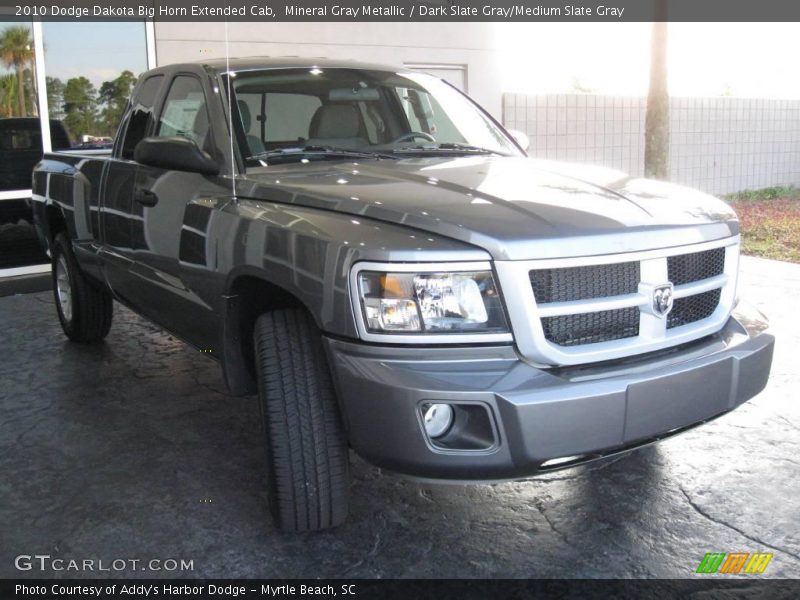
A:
{"x":541,"y":417}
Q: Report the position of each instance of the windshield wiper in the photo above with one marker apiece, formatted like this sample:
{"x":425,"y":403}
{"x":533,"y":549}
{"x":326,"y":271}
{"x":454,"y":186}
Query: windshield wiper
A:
{"x":331,"y":151}
{"x":448,"y":147}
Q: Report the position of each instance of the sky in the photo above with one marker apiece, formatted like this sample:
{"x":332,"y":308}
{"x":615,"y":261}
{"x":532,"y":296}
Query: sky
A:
{"x":99,"y":52}
{"x":704,"y":59}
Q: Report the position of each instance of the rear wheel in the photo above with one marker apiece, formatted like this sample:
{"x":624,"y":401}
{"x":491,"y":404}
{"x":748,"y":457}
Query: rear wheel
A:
{"x":307,"y":456}
{"x":84,"y":308}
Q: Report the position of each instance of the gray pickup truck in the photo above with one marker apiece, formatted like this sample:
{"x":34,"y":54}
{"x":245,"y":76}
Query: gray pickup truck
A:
{"x":378,"y":258}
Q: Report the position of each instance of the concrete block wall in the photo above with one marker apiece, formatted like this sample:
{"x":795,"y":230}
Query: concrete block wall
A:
{"x":719,"y":145}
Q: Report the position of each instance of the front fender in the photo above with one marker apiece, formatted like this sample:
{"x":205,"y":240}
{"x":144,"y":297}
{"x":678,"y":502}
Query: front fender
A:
{"x":308,"y":253}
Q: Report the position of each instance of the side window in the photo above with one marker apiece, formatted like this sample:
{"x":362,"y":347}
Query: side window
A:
{"x":424,"y":114}
{"x":374,"y":123}
{"x":250,"y":112}
{"x":141,"y":115}
{"x":185,"y":112}
{"x":409,"y":99}
{"x":289,"y":116}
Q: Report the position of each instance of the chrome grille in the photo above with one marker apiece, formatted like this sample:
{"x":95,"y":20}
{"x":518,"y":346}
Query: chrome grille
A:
{"x":572,"y":312}
{"x":592,"y":328}
{"x":582,"y":283}
{"x":693,"y":308}
{"x":696,"y":266}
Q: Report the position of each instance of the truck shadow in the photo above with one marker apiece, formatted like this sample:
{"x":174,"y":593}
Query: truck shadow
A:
{"x":131,"y":448}
{"x":533,"y":528}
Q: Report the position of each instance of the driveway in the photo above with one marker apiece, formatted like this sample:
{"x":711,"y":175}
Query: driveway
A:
{"x":132,"y":450}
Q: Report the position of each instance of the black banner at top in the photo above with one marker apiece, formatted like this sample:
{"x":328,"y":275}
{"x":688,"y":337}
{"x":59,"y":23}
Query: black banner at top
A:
{"x":404,"y":10}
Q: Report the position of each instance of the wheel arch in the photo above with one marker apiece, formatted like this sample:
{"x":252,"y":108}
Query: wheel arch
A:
{"x":249,"y":293}
{"x":49,"y":221}
{"x":56,"y":221}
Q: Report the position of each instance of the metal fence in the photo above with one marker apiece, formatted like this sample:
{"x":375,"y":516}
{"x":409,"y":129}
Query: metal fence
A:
{"x":720,"y":145}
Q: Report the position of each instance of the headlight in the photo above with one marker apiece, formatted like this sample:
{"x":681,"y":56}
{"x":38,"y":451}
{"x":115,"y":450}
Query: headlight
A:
{"x":429,"y":303}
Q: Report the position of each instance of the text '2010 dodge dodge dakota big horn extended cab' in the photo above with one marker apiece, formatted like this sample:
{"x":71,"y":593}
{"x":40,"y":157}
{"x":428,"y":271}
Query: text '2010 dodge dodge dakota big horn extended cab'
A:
{"x":373,"y":254}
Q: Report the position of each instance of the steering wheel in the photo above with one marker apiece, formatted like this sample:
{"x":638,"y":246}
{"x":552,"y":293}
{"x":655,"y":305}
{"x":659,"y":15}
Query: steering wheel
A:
{"x":412,"y":135}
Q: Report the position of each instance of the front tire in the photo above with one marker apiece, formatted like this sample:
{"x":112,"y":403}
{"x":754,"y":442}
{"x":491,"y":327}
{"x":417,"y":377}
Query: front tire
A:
{"x":84,"y":308}
{"x":307,"y":455}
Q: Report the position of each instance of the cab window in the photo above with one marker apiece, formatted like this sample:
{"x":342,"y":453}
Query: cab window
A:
{"x":184,"y":112}
{"x":141,"y":115}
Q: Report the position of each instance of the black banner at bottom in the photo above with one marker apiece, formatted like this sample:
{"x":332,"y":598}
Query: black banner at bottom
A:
{"x":407,"y":589}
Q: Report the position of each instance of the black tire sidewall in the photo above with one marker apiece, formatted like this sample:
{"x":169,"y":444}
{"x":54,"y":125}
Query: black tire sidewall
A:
{"x":62,"y":249}
{"x":92,"y":304}
{"x":328,"y":501}
{"x":272,"y":496}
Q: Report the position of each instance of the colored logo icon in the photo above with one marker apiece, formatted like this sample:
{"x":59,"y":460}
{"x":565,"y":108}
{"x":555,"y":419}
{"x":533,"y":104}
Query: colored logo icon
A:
{"x":734,"y":563}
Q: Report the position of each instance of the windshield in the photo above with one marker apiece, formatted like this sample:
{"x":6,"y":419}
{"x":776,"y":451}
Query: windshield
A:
{"x":294,"y":114}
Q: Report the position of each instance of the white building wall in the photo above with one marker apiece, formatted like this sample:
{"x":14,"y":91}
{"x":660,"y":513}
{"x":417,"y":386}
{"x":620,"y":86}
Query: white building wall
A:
{"x":469,"y":44}
{"x":720,"y":145}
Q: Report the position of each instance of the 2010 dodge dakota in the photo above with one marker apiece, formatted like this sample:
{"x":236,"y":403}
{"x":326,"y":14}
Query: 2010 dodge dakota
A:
{"x":378,"y":258}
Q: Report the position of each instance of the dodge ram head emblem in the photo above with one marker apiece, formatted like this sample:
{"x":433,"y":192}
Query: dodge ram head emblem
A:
{"x":662,"y":299}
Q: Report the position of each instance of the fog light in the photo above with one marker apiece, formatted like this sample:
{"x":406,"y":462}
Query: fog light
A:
{"x":437,"y":418}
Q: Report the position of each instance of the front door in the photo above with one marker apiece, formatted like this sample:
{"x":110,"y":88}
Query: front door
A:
{"x":171,"y":254}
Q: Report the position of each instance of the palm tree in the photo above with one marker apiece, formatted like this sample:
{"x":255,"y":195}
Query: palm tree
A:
{"x":16,"y":50}
{"x":656,"y":146}
{"x":8,"y":90}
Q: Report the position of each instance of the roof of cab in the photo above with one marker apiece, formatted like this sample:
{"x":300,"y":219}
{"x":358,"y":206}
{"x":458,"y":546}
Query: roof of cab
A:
{"x":284,"y":62}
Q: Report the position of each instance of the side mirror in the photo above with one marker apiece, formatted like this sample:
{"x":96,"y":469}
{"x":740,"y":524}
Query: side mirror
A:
{"x":175,"y":153}
{"x":521,"y":138}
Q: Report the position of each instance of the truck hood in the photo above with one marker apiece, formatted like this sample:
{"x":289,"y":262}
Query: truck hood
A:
{"x":514,"y":208}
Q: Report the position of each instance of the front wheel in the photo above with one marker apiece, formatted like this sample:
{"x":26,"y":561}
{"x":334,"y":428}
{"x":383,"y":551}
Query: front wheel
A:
{"x":84,"y":308}
{"x":307,"y":455}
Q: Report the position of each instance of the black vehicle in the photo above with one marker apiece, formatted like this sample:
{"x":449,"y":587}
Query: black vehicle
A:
{"x":377,"y":257}
{"x":20,"y":150}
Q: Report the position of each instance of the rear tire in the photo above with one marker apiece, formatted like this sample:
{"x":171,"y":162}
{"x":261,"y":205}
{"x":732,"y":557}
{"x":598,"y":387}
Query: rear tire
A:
{"x":307,"y":455}
{"x":84,"y":308}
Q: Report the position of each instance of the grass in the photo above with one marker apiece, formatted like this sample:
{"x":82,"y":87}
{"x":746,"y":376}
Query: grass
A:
{"x":770,"y":222}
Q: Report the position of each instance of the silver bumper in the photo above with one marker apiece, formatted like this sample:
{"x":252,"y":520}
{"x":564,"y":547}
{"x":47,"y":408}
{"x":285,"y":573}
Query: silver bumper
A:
{"x":541,"y":418}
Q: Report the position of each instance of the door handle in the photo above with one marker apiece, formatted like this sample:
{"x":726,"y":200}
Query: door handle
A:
{"x":145,"y":197}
